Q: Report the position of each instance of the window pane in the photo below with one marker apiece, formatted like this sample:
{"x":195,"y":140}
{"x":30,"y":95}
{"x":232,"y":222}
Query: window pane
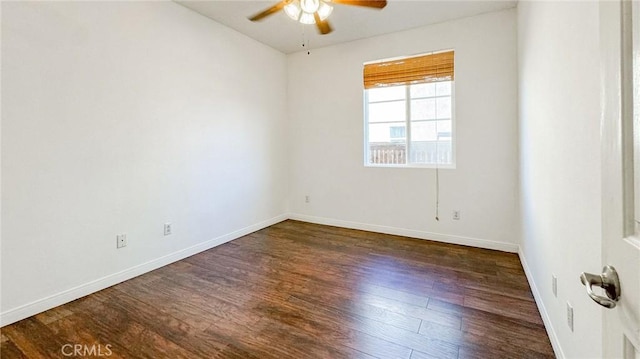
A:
{"x":444,"y":130}
{"x":443,"y":107}
{"x":423,"y":109}
{"x":423,"y":90}
{"x":387,"y":111}
{"x":386,"y":93}
{"x":431,"y":142}
{"x":431,"y":152}
{"x":382,"y":132}
{"x":443,"y":88}
{"x":445,"y":152}
{"x":423,"y":131}
{"x":383,"y":147}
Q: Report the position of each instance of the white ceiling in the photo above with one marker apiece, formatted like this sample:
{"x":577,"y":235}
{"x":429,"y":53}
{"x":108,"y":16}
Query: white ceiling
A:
{"x":349,"y":22}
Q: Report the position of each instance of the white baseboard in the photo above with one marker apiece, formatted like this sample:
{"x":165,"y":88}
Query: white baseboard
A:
{"x":80,"y":291}
{"x":439,"y":237}
{"x":555,"y":342}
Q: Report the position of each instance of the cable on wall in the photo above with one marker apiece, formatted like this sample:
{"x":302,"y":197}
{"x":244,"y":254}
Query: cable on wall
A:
{"x":437,"y":165}
{"x":437,"y":189}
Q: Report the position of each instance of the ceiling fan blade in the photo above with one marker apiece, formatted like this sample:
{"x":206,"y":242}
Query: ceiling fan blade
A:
{"x":323,"y":25}
{"x":275,"y":8}
{"x":378,"y":4}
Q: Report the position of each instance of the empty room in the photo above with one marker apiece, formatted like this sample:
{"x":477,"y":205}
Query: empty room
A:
{"x":320,"y":179}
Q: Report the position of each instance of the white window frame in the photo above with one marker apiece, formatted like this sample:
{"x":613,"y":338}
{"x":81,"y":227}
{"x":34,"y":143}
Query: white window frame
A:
{"x":408,"y":99}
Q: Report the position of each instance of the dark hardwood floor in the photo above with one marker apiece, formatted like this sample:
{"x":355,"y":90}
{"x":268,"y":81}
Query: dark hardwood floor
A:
{"x":299,"y":290}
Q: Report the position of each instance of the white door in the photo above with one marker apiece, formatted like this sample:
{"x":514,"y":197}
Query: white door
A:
{"x":620,"y":55}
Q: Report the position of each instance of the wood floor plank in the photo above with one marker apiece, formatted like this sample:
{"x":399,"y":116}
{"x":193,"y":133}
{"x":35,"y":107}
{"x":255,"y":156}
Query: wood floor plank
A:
{"x":76,"y":330}
{"x":34,"y":339}
{"x":486,"y":351}
{"x":297,"y":290}
{"x":345,"y":328}
{"x":389,"y":333}
{"x":378,"y":348}
{"x":420,"y":355}
{"x":118,"y":328}
{"x":10,"y":350}
{"x":180,"y":308}
{"x":506,"y":336}
{"x":532,"y":337}
{"x":355,"y":303}
{"x":52,"y":315}
{"x":448,"y":319}
{"x":504,"y":305}
{"x":168,"y":326}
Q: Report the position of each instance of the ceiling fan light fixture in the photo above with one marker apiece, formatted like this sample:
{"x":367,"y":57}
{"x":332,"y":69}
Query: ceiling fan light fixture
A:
{"x":309,"y":6}
{"x":297,"y":10}
{"x":324,"y":10}
{"x":293,"y":10}
{"x":307,"y":18}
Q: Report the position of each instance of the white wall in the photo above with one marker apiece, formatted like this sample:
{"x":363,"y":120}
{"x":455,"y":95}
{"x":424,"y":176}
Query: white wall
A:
{"x":326,"y":114}
{"x":116,"y":118}
{"x":560,"y":163}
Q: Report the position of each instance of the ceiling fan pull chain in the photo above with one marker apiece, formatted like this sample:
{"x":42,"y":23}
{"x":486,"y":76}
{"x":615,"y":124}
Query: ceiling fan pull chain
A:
{"x":304,"y":37}
{"x":305,"y":40}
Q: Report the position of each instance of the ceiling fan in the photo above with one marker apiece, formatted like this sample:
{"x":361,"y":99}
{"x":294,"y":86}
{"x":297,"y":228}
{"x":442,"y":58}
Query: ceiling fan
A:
{"x":314,"y":11}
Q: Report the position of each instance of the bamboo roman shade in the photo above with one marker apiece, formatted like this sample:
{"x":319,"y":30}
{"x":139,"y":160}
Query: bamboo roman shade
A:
{"x":412,"y":70}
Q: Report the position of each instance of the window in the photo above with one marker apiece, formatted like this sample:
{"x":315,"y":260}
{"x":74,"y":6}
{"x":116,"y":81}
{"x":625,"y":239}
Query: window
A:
{"x":409,"y":111}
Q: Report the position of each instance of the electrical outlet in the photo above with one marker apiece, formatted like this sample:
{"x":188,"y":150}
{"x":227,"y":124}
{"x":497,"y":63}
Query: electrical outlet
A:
{"x":570,"y":316}
{"x":554,"y":285}
{"x":307,"y":199}
{"x":121,"y":240}
{"x":167,"y":229}
{"x":456,"y":215}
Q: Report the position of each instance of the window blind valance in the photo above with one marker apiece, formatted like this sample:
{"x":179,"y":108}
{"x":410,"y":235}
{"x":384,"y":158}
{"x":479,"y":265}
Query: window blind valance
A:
{"x":412,"y":70}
